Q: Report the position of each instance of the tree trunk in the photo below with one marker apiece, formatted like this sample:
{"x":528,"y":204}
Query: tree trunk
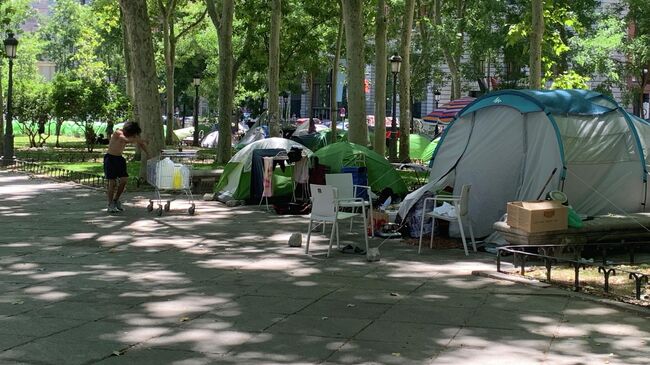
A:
{"x":335,"y":76}
{"x":59,"y":124}
{"x":274,"y":68}
{"x":2,"y":113}
{"x":380,"y":78}
{"x":310,"y":100}
{"x":405,"y":82}
{"x":169,"y":74}
{"x":127,"y":67}
{"x":145,"y":80}
{"x":452,"y":54}
{"x":353,"y":19}
{"x":536,"y":44}
{"x":222,"y":15}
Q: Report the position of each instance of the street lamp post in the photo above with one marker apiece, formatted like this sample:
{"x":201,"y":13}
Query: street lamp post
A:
{"x":436,"y":98}
{"x":644,"y":80}
{"x":184,"y":109}
{"x":285,"y":99}
{"x":196,"y":82}
{"x":395,"y":64}
{"x":8,"y":158}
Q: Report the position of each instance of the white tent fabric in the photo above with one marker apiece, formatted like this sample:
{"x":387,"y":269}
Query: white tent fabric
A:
{"x":210,"y":141}
{"x":509,"y":153}
{"x":303,"y":129}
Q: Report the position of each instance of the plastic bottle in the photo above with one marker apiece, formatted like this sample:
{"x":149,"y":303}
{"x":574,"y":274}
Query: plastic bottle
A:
{"x":177,"y":182}
{"x":165,"y":173}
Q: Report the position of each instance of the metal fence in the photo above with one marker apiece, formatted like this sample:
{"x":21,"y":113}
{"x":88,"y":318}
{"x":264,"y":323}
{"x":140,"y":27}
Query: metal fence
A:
{"x":74,"y":156}
{"x":83,"y":178}
{"x":548,"y":255}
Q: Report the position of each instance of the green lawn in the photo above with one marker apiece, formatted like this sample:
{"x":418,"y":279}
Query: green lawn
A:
{"x":64,"y":141}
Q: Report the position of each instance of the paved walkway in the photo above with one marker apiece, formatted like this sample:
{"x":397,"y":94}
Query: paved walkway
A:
{"x":78,"y":286}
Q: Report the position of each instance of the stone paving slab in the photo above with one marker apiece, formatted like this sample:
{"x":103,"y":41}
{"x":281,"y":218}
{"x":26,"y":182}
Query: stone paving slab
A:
{"x":79,"y":286}
{"x":53,"y":352}
{"x":390,"y":353}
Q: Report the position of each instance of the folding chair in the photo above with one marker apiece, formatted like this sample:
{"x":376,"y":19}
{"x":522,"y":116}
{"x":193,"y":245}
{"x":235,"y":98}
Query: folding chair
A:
{"x":325,"y":209}
{"x":347,"y":195}
{"x":460,"y":203}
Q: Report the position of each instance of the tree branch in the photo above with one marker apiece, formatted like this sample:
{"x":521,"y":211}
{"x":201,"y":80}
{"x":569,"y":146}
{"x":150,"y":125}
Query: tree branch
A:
{"x":191,"y":26}
{"x":214,"y":14}
{"x":248,"y":41}
{"x":162,"y":7}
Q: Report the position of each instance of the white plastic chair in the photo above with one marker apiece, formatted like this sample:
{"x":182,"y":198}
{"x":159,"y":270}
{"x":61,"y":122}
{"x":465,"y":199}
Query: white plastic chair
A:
{"x":347,"y":195}
{"x":460,"y":203}
{"x":325,"y":209}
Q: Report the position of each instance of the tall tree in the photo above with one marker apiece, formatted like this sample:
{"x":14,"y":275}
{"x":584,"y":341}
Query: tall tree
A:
{"x":168,"y":18}
{"x":353,"y":20}
{"x":335,"y":75}
{"x":638,"y":52}
{"x":62,"y":32}
{"x":274,"y":68}
{"x":12,"y":15}
{"x":147,"y":101}
{"x":537,"y":33}
{"x":405,"y":81}
{"x":380,"y":77}
{"x":450,"y":31}
{"x":128,"y":67}
{"x":222,"y":13}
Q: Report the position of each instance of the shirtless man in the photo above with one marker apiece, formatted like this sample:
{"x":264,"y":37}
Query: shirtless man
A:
{"x":115,"y":164}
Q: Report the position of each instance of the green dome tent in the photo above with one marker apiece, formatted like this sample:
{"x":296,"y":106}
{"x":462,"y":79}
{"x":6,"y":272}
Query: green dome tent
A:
{"x":381,"y":173}
{"x":235,"y":182}
{"x":428,"y":151}
{"x":417,"y":144}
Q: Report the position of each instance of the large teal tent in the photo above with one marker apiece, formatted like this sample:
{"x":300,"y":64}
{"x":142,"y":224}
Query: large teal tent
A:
{"x":520,"y":144}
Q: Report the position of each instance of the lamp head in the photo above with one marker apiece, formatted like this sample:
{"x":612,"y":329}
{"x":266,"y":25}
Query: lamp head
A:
{"x":11,"y":44}
{"x":395,"y":63}
{"x":436,"y":95}
{"x":196,"y":81}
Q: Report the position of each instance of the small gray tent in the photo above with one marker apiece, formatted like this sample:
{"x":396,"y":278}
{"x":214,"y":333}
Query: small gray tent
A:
{"x":508,"y":143}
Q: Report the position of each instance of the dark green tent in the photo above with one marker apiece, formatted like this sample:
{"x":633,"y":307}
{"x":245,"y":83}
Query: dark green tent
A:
{"x":381,"y":173}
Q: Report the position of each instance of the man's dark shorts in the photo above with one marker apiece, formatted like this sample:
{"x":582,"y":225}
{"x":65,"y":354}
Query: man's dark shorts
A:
{"x":114,"y":167}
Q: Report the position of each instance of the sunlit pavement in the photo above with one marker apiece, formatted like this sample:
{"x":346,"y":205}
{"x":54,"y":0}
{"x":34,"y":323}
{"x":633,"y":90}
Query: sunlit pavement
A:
{"x":79,"y":286}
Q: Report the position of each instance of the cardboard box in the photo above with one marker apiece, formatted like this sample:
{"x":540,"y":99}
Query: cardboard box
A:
{"x":538,"y":216}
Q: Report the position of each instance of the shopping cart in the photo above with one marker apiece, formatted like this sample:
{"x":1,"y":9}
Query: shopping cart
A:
{"x":168,"y":173}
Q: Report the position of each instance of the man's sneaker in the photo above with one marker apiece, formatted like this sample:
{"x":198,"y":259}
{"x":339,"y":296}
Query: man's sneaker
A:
{"x":118,"y":205}
{"x":111,"y":208}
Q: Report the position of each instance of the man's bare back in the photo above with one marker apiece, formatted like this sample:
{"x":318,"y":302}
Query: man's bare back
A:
{"x":118,"y":142}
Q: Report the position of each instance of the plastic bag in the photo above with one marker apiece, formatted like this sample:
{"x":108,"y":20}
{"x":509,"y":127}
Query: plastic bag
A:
{"x":574,"y":219}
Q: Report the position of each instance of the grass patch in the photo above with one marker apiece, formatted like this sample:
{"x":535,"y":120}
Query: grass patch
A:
{"x":66,"y":142}
{"x":591,"y":281}
{"x":413,"y":179}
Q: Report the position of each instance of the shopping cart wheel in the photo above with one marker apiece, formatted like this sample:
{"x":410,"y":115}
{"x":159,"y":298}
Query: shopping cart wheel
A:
{"x":150,"y":206}
{"x":167,"y":206}
{"x":159,"y":210}
{"x":191,"y":209}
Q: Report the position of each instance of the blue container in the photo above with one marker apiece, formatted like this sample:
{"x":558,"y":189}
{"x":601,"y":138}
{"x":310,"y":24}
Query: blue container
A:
{"x":359,"y":177}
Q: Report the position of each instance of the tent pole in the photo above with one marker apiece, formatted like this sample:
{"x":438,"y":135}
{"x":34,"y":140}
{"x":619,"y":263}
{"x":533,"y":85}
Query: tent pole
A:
{"x":645,"y":194}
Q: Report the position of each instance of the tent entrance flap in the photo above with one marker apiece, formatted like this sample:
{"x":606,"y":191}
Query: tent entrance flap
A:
{"x":257,"y":170}
{"x":492,"y":164}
